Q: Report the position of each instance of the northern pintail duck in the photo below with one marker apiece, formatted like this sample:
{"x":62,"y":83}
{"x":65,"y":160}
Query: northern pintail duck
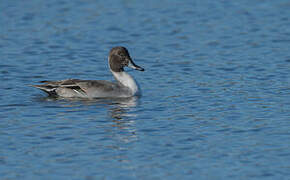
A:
{"x":125,"y":86}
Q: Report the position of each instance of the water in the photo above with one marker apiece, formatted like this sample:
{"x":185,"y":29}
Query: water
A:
{"x":215,"y":101}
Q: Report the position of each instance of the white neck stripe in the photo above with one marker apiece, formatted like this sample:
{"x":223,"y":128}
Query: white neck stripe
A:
{"x":126,"y":80}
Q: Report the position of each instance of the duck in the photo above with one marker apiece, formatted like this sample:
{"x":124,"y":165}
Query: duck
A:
{"x":125,"y":85}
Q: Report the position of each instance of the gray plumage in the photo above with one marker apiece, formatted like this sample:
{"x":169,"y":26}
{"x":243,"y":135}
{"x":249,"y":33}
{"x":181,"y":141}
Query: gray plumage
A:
{"x":124,"y":87}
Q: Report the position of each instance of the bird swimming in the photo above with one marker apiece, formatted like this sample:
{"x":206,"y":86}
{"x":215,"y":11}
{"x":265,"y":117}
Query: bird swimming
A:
{"x":125,"y":85}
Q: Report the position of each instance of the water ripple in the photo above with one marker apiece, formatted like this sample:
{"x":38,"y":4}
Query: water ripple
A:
{"x":215,"y":101}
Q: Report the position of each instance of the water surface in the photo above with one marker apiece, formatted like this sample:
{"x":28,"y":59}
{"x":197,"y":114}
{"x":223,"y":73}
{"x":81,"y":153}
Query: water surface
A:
{"x":215,"y":101}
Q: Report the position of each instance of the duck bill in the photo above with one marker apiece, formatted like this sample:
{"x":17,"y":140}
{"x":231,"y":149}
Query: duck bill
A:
{"x":134,"y":66}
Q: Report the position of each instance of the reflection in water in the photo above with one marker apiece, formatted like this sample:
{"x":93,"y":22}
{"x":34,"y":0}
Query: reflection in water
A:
{"x":122,"y":106}
{"x":125,"y":133}
{"x":118,"y":110}
{"x":120,"y":115}
{"x":118,"y":131}
{"x":118,"y":107}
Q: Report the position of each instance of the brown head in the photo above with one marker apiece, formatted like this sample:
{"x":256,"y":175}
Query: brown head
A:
{"x":119,"y":58}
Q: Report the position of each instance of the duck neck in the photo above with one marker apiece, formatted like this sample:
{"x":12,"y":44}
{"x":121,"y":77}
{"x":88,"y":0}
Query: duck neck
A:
{"x":126,"y":80}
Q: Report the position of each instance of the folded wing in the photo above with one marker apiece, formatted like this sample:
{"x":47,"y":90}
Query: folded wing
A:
{"x":75,"y":87}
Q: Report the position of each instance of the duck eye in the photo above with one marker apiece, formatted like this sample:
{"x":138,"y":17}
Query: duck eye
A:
{"x":122,"y":55}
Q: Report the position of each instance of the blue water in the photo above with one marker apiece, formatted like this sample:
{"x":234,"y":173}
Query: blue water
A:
{"x":216,"y":90}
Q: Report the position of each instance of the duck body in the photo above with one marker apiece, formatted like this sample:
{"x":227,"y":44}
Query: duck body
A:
{"x":125,"y":85}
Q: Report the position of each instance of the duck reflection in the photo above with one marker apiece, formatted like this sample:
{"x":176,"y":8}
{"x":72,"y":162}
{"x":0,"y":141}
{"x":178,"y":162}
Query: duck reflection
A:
{"x":121,"y":107}
{"x":116,"y":132}
{"x":124,"y":121}
{"x":118,"y":109}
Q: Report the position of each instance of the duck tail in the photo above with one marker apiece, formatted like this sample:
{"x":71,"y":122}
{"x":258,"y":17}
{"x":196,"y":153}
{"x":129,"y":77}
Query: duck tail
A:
{"x":50,"y":90}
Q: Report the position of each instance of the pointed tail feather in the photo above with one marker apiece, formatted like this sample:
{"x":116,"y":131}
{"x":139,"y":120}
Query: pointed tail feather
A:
{"x":50,"y":90}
